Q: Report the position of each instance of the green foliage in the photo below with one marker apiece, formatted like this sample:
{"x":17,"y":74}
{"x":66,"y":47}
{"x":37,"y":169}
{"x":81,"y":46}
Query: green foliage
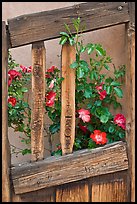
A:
{"x":95,"y":92}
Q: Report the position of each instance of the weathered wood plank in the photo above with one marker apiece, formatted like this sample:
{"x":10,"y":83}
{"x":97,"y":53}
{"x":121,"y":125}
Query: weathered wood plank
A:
{"x":132,"y":144}
{"x":73,"y":192}
{"x":47,"y":25}
{"x":68,"y":168}
{"x":6,"y":161}
{"x":130,"y":115}
{"x":67,"y":129}
{"x":42,"y":195}
{"x":38,"y":99}
{"x":110,"y":188}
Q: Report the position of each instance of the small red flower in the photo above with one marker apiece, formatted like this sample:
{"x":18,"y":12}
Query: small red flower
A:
{"x":120,"y":120}
{"x":12,"y":101}
{"x":9,"y":80}
{"x":26,"y":69}
{"x":100,"y":87}
{"x":51,"y":69}
{"x":83,"y":128}
{"x":99,"y":137}
{"x":102,"y":94}
{"x":84,"y":115}
{"x":13,"y":74}
{"x":29,"y":69}
{"x":50,"y":98}
{"x":47,"y":76}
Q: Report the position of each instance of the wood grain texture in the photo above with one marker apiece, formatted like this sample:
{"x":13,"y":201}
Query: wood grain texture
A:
{"x":68,"y":168}
{"x":6,"y":161}
{"x":38,"y":99}
{"x":110,"y":188}
{"x":132,"y":144}
{"x":73,"y":192}
{"x":47,"y":25}
{"x":130,"y":115}
{"x":42,"y":195}
{"x":67,"y":129}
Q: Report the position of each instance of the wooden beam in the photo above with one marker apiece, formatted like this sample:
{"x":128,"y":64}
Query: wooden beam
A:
{"x":130,"y":117}
{"x":57,"y":170}
{"x":67,"y":129}
{"x":38,"y":100}
{"x":6,"y":159}
{"x":46,"y":25}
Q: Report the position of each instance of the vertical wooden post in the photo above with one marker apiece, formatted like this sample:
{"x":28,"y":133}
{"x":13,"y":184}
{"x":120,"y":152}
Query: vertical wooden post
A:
{"x":6,"y":159}
{"x":130,"y":83}
{"x":38,"y":100}
{"x":67,"y":130}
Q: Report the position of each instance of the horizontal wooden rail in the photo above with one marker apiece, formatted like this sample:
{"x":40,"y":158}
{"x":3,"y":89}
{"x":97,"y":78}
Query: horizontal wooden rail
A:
{"x":26,"y":29}
{"x":59,"y":170}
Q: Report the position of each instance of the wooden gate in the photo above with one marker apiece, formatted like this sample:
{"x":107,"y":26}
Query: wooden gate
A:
{"x":102,"y":174}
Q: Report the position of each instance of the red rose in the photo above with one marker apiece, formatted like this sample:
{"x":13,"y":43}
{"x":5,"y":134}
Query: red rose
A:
{"x":51,"y":69}
{"x":84,"y":115}
{"x":9,"y":80}
{"x":99,"y":137}
{"x":25,"y":69}
{"x":100,"y":86}
{"x":50,"y":98}
{"x":13,"y":74}
{"x":83,"y":128}
{"x":12,"y":101}
{"x":102,"y":94}
{"x":47,"y":76}
{"x":120,"y":120}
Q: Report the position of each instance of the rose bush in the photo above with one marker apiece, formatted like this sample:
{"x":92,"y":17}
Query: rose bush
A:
{"x":96,"y":94}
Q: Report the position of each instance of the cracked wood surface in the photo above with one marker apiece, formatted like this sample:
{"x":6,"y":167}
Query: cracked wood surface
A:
{"x":46,"y":25}
{"x":38,"y":99}
{"x":57,"y":170}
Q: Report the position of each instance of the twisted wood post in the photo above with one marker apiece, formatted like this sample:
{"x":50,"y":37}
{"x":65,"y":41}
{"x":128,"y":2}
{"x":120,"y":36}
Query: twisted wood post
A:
{"x":67,"y":129}
{"x":38,"y":100}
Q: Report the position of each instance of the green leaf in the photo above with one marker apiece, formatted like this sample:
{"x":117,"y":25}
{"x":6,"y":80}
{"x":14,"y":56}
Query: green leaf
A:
{"x":90,"y":48}
{"x":74,"y":65}
{"x":67,"y":27}
{"x":100,"y":50}
{"x":115,"y":83}
{"x":84,"y":65}
{"x":90,"y":127}
{"x":64,"y":33}
{"x":26,"y":151}
{"x":108,"y":89}
{"x":54,"y":128}
{"x":88,"y":93}
{"x":104,"y":118}
{"x":106,"y":67}
{"x":118,"y":92}
{"x":71,"y":41}
{"x":80,"y":73}
{"x":98,"y":103}
{"x":111,"y":129}
{"x":63,"y":40}
{"x":121,"y":134}
{"x":24,"y":89}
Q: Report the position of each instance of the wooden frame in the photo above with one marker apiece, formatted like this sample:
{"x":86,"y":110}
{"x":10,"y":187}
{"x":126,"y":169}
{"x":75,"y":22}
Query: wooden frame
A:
{"x":97,"y":15}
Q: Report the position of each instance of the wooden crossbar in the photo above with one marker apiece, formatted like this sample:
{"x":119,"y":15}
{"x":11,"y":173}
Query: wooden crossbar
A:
{"x":46,"y":25}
